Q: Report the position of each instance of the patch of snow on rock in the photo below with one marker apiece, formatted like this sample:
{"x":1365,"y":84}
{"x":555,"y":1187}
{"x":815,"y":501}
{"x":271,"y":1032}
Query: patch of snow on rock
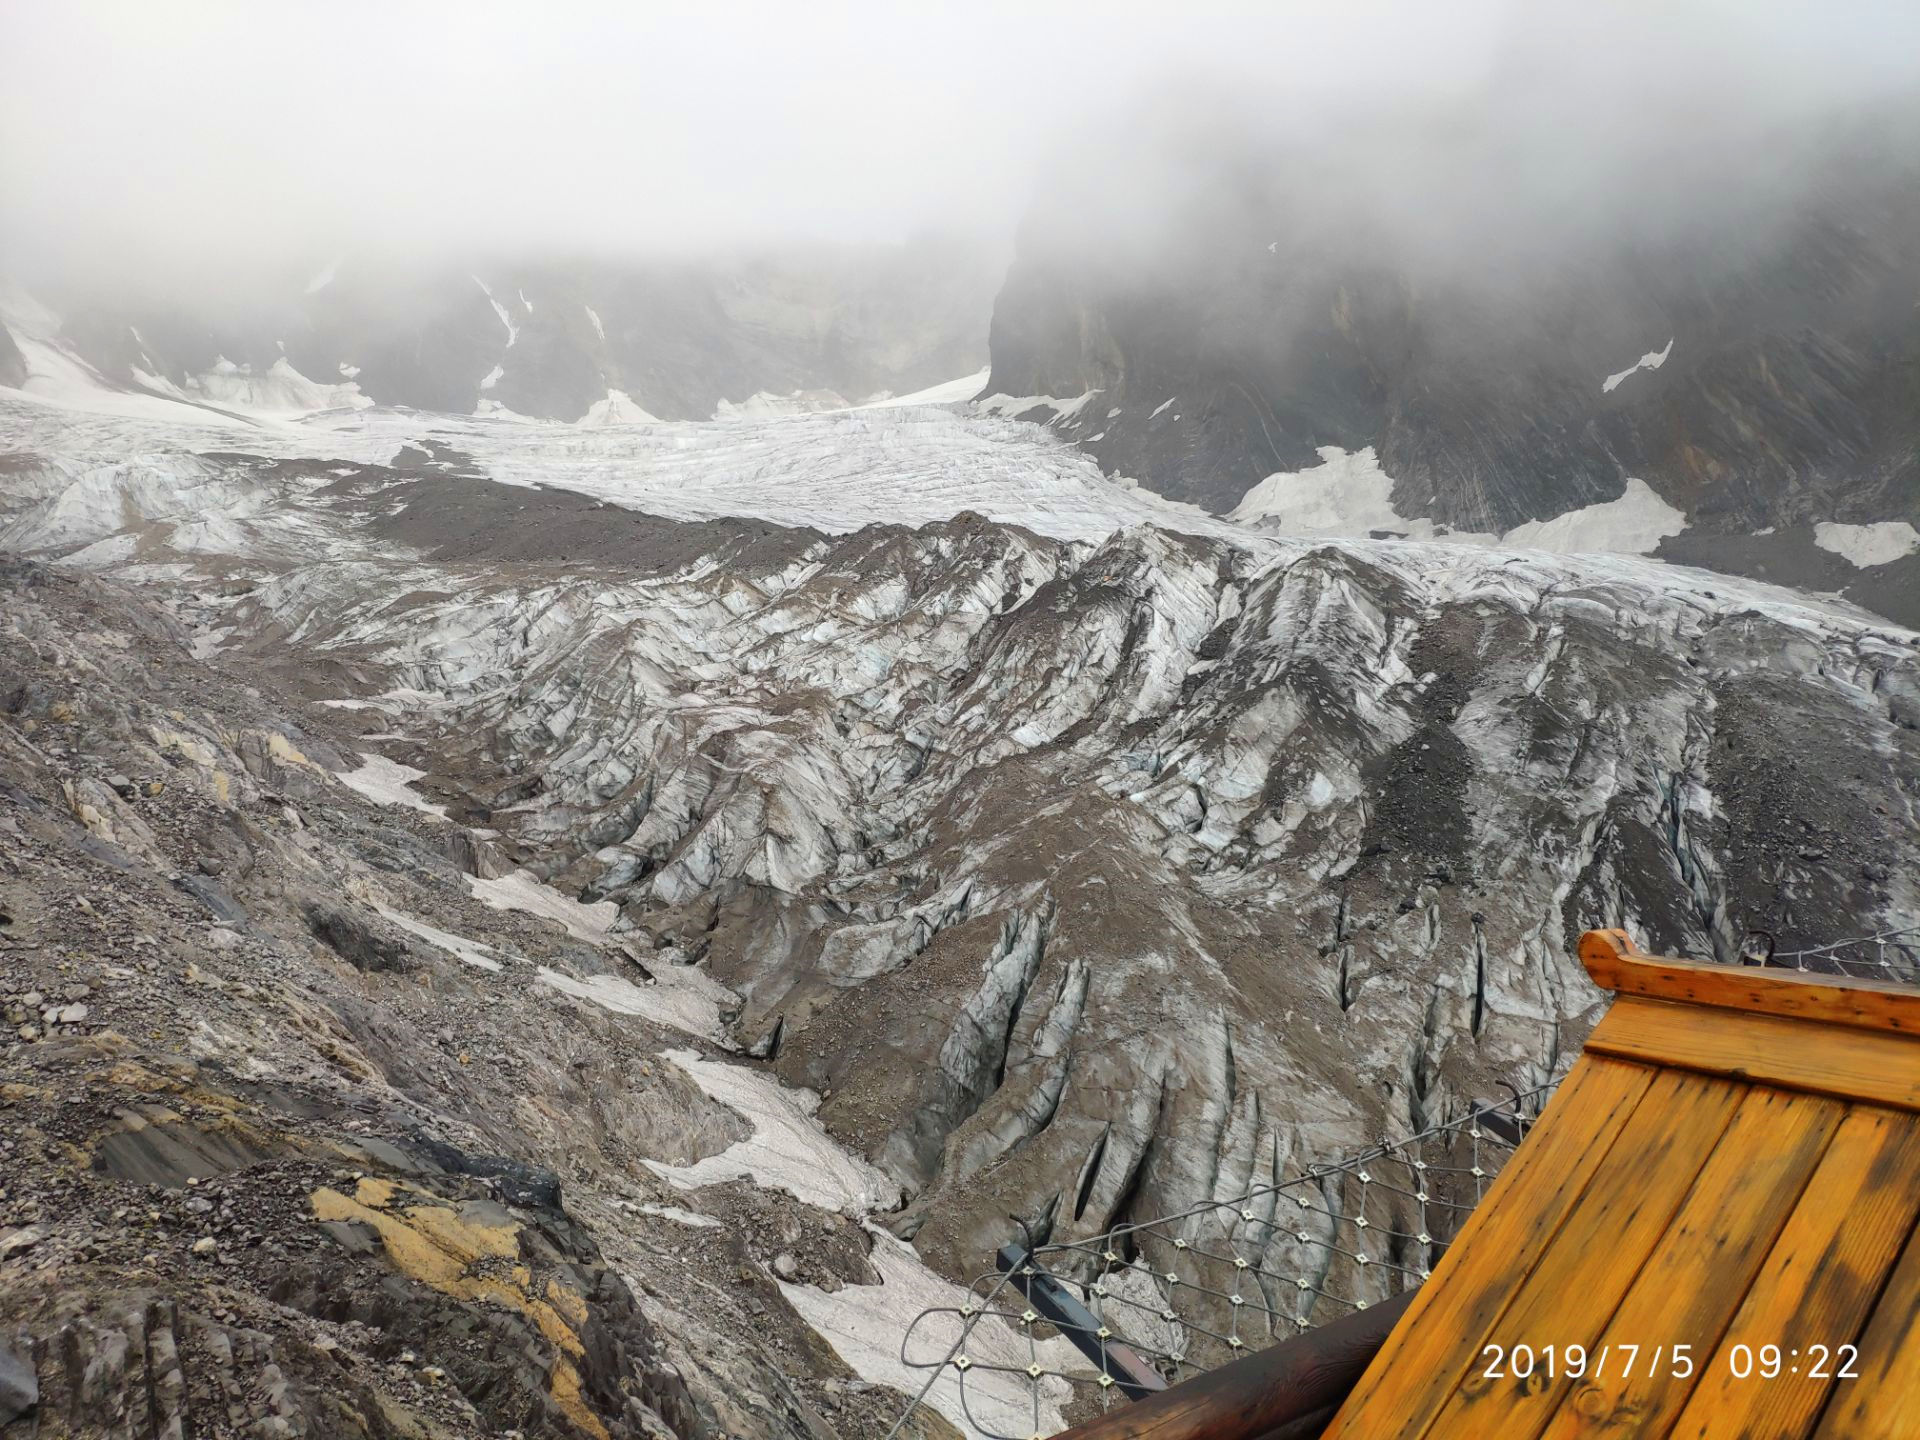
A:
{"x":1347,"y":493}
{"x":513,"y":331}
{"x":788,"y":1150}
{"x":1652,"y":360}
{"x":999,"y":404}
{"x":1634,"y":524}
{"x":1880,"y":543}
{"x":1350,"y":496}
{"x":689,"y":1218}
{"x":481,"y":957}
{"x":387,"y":782}
{"x":681,"y":996}
{"x":524,"y":891}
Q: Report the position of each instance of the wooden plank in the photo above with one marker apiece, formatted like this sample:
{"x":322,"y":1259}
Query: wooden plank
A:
{"x":1409,"y":1380}
{"x":1698,"y":1274}
{"x":1818,"y":1283}
{"x":1614,"y":964}
{"x":1597,"y":1256}
{"x":1884,"y":1402}
{"x":1872,"y":1066}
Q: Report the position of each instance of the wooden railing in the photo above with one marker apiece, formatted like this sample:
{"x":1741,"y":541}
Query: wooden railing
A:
{"x":1287,"y":1392}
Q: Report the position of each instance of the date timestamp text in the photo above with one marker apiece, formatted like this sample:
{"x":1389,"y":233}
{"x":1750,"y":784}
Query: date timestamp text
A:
{"x":1675,"y":1361}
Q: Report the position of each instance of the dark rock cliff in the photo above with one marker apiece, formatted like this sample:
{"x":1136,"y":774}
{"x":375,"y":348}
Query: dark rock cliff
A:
{"x":1263,"y":310}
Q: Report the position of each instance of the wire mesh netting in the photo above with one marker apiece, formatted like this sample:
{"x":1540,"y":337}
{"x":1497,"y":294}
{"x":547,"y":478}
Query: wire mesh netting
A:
{"x":1064,"y":1330}
{"x":1887,"y":955}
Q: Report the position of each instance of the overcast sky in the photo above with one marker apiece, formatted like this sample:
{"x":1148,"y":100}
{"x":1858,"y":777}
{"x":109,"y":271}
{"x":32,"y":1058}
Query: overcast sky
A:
{"x":227,"y":135}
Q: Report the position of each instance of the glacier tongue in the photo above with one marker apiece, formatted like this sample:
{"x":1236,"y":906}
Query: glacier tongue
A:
{"x":899,"y":462}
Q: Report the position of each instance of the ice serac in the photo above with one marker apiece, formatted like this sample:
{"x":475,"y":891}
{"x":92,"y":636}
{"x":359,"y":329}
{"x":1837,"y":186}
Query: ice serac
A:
{"x":1047,"y":862}
{"x":279,"y":389}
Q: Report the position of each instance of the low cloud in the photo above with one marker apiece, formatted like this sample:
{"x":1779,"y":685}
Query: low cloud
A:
{"x":223,"y":144}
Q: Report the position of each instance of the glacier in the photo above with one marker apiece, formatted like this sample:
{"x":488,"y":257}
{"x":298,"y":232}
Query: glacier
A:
{"x":1083,"y":853}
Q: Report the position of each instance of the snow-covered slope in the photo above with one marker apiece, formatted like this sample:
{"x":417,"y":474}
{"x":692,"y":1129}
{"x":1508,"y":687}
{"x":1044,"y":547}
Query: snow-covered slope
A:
{"x":53,"y":375}
{"x":950,"y":392}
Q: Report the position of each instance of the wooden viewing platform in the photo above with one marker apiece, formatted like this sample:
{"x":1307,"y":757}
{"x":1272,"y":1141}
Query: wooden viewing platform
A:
{"x":1726,"y":1184}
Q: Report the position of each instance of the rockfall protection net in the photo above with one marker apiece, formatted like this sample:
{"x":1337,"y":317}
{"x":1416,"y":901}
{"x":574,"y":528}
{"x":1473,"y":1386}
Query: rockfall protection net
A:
{"x":1187,"y":1292}
{"x":1887,"y":955}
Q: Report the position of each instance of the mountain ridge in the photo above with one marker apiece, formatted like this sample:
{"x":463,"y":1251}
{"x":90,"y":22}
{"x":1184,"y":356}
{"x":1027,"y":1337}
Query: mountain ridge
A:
{"x":676,"y":339}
